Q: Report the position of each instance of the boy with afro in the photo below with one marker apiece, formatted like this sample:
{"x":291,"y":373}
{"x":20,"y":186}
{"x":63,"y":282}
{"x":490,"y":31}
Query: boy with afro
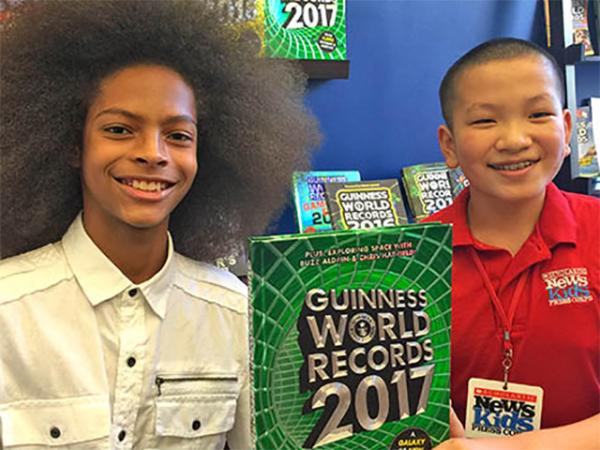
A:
{"x":137,"y":139}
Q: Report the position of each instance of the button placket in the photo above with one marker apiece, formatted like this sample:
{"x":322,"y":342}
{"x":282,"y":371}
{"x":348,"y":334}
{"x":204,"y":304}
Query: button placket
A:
{"x":128,"y":387}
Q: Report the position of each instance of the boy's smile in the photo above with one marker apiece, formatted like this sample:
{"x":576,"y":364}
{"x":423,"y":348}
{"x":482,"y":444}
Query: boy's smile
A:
{"x":509,"y":133}
{"x":139,"y":151}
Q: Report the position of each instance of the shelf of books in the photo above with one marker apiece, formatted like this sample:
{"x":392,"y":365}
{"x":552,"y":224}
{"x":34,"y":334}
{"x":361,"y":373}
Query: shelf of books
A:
{"x":340,"y":200}
{"x":572,"y":36}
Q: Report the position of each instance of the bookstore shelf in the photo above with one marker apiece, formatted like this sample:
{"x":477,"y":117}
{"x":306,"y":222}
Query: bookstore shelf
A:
{"x":559,"y":23}
{"x":575,"y":54}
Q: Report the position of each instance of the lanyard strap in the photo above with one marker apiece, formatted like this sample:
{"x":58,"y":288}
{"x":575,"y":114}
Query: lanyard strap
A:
{"x":506,"y":319}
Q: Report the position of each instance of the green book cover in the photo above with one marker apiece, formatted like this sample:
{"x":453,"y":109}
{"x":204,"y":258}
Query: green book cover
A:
{"x":351,"y":338}
{"x":301,"y":29}
{"x":427,"y":188}
{"x":365,"y":204}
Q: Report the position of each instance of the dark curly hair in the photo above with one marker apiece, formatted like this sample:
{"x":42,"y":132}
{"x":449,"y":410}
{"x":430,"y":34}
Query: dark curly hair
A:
{"x":254,"y":129}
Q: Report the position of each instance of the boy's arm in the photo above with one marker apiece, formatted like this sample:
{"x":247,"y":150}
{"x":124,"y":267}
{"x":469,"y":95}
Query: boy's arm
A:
{"x":583,"y":435}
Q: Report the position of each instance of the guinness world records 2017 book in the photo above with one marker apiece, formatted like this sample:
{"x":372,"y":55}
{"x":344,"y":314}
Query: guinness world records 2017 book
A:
{"x":350,"y":338}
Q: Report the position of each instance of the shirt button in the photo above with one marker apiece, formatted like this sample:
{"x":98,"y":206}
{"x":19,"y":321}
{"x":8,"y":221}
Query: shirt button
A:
{"x":196,"y":425}
{"x":55,"y":432}
{"x":132,"y":292}
{"x":131,"y":361}
{"x":122,"y":435}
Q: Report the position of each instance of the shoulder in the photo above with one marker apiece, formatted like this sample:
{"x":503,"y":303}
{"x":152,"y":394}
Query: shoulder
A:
{"x":444,"y":216}
{"x":455,"y":213}
{"x":33,"y":271}
{"x":212,"y":284}
{"x":450,"y":214}
{"x":584,"y":207}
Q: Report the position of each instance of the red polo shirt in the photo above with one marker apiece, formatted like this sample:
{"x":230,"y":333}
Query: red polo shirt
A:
{"x":556,"y":329}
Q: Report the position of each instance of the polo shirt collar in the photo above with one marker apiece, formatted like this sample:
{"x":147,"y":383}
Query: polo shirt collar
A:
{"x":101,"y":280}
{"x":460,"y":227}
{"x":556,"y":223}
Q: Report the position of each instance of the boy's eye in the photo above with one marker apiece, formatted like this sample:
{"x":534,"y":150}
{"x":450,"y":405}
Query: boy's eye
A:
{"x":180,"y":137}
{"x":540,"y":114}
{"x":482,"y":121}
{"x":117,"y":130}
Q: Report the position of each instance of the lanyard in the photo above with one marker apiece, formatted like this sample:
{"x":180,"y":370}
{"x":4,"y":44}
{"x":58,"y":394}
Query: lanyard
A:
{"x":507,"y":320}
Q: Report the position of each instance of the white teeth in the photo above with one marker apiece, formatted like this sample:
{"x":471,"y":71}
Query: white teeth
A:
{"x":148,"y":186}
{"x":515,"y":166}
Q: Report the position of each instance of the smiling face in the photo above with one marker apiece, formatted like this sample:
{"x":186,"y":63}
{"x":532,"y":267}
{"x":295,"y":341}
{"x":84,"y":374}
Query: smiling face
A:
{"x":509,"y":132}
{"x":139,"y":148}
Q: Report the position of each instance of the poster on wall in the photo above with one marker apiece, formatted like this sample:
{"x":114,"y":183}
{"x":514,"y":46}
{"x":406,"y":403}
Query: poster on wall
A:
{"x":302,"y":29}
{"x":350,"y":338}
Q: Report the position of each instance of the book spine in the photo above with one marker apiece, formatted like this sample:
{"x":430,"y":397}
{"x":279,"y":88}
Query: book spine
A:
{"x":581,"y":31}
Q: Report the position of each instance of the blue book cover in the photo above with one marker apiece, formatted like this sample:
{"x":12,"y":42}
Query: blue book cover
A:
{"x":312,"y":215}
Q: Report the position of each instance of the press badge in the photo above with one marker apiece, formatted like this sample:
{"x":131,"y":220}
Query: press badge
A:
{"x":495,"y":411}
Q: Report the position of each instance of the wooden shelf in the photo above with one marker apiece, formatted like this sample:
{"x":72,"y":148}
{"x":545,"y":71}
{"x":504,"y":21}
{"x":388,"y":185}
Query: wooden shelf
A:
{"x":325,"y":69}
{"x":574,"y":54}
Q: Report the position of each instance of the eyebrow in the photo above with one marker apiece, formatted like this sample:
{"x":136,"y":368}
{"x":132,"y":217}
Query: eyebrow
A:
{"x":493,"y":107}
{"x":137,"y":117}
{"x":538,"y":97}
{"x":489,"y":106}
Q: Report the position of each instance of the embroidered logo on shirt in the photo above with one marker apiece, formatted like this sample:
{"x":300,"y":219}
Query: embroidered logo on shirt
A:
{"x":566,"y":286}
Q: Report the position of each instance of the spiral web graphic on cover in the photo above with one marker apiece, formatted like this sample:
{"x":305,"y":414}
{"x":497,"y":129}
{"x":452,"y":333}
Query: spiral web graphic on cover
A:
{"x":277,"y":305}
{"x":284,"y":43}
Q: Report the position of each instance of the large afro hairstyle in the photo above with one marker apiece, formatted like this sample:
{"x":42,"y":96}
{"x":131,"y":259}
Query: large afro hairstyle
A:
{"x":253,"y":127}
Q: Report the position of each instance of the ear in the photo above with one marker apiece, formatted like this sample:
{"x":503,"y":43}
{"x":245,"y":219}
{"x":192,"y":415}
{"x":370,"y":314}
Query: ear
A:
{"x":568,"y":126}
{"x":446,"y":141}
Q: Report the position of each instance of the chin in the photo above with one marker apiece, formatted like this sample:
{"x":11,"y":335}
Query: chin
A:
{"x":146,"y":221}
{"x":525,"y":193}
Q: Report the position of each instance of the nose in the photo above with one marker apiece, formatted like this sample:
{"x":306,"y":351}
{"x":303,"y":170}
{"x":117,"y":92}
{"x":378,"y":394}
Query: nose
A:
{"x":514,"y":137}
{"x":152,"y":151}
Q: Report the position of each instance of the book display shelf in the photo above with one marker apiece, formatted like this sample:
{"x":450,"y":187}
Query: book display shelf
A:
{"x":571,"y":56}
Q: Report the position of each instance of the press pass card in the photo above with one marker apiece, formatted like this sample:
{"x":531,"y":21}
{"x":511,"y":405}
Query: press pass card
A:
{"x":493,"y":410}
{"x":350,"y":341}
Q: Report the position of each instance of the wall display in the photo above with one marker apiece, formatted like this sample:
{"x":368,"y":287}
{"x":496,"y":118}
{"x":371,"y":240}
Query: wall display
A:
{"x":350,"y":338}
{"x":310,"y":205}
{"x":305,"y":29}
{"x":365,"y":204}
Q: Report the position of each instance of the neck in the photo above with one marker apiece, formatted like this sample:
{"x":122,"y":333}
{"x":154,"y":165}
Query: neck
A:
{"x":504,"y":225}
{"x":139,"y":253}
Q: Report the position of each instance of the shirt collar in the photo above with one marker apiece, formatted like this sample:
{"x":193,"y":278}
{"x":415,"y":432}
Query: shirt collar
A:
{"x":556,"y":223}
{"x":101,"y":280}
{"x":460,"y":228}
